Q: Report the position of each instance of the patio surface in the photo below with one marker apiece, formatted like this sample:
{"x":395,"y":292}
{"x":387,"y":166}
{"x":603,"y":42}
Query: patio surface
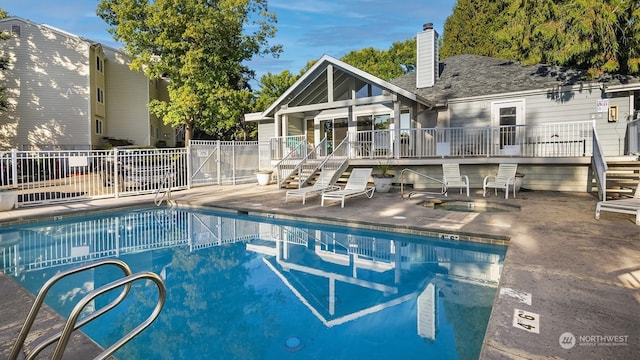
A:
{"x":565,"y":276}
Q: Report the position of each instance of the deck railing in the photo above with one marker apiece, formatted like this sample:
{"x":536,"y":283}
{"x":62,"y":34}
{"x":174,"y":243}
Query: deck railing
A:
{"x":568,"y":139}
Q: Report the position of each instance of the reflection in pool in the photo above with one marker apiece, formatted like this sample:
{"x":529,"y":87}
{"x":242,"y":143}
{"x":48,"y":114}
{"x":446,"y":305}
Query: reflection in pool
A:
{"x":254,"y":288}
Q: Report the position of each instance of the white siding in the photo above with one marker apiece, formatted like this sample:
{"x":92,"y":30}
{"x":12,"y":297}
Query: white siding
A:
{"x":126,"y":97}
{"x":48,"y":89}
{"x":556,"y":177}
{"x":266,"y":131}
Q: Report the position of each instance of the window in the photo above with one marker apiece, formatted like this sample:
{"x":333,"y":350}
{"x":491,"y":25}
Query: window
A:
{"x":99,"y":64}
{"x":15,"y":30}
{"x":100,"y":96}
{"x":98,"y":126}
{"x":507,"y":119}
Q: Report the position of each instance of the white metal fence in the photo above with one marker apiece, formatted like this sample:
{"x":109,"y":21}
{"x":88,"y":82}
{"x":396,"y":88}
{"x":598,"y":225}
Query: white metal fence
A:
{"x":64,"y":176}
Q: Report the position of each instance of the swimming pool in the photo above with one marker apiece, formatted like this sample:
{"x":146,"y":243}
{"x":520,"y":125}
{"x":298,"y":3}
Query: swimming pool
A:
{"x":241,"y":287}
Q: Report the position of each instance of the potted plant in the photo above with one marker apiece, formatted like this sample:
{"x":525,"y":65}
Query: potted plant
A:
{"x":383,"y":180}
{"x":8,"y":198}
{"x":519,"y":179}
{"x":264,"y":176}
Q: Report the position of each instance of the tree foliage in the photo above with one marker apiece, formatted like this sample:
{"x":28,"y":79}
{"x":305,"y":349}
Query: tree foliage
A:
{"x":471,"y":28}
{"x":598,"y":35}
{"x":389,"y":64}
{"x":271,"y":87}
{"x":4,"y":63}
{"x":200,"y":46}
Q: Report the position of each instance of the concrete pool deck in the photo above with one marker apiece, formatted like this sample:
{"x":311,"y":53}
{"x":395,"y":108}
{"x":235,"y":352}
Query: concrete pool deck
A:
{"x":570,"y":285}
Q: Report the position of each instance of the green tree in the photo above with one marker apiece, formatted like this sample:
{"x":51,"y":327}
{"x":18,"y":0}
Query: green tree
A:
{"x":602,"y":36}
{"x":598,"y":35}
{"x":200,"y":46}
{"x":471,"y":28}
{"x":272,"y":86}
{"x":4,"y":63}
{"x":389,"y":64}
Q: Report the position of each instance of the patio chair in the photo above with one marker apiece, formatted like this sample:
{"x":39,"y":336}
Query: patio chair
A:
{"x":451,"y":178}
{"x":357,"y":184}
{"x":624,"y":206}
{"x":325,"y":182}
{"x":505,"y":177}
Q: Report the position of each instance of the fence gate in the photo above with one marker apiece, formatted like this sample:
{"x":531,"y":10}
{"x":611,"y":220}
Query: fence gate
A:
{"x":223,"y":162}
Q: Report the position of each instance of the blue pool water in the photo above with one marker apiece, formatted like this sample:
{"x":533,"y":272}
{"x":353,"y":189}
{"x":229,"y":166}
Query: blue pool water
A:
{"x":252,"y":288}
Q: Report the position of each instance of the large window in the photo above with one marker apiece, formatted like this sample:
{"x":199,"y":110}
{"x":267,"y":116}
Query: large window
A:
{"x":374,"y":122}
{"x":335,"y":130}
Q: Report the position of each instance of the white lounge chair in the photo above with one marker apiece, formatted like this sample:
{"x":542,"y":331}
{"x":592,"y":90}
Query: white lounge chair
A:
{"x":505,"y":177}
{"x":624,"y":206}
{"x":325,"y":182}
{"x":451,"y":178}
{"x":357,"y":184}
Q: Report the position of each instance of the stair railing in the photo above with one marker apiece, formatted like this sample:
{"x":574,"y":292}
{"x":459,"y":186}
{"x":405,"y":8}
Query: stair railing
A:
{"x":599,"y":165}
{"x":306,"y":168}
{"x":292,"y":159}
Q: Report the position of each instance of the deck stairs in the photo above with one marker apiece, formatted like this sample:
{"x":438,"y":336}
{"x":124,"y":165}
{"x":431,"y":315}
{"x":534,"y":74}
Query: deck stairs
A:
{"x":307,"y":174}
{"x":294,"y":173}
{"x":622,"y":178}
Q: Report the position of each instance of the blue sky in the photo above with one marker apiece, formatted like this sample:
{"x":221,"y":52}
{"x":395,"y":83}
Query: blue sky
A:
{"x":307,"y":29}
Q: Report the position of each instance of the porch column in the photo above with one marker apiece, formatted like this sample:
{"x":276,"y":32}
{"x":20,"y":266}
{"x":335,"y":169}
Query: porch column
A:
{"x":285,"y":124}
{"x":352,"y":130}
{"x":396,"y":126}
{"x":276,"y":123}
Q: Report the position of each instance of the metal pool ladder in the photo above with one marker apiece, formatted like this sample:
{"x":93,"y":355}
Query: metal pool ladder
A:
{"x":72,"y":322}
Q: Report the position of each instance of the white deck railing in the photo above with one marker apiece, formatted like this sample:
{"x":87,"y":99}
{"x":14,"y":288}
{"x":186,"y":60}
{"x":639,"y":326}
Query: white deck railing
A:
{"x":569,"y":139}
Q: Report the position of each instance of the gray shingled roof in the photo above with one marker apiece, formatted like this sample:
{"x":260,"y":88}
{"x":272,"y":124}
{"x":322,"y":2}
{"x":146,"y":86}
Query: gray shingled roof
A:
{"x":471,"y":75}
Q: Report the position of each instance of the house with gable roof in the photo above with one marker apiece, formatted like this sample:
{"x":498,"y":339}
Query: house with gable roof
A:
{"x":559,"y":126}
{"x":67,"y":92}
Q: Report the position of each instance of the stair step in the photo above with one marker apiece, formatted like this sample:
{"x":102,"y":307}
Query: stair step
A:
{"x":622,"y":178}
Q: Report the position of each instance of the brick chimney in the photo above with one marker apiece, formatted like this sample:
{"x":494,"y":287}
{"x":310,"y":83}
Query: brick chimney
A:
{"x":427,"y":68}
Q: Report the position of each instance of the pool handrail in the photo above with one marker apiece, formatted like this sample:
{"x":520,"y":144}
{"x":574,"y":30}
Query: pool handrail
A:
{"x":70,"y":325}
{"x":159,"y":197}
{"x":39,"y":300}
{"x":72,"y":322}
{"x":443,"y":185}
